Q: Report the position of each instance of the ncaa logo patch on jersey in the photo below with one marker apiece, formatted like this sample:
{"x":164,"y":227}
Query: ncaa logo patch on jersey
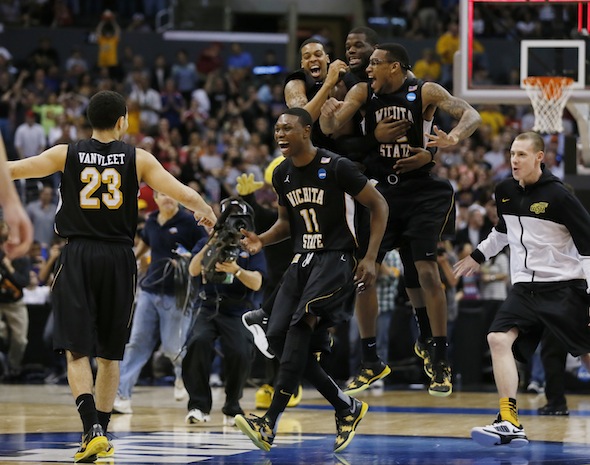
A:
{"x":325,"y":160}
{"x":411,"y":97}
{"x":322,"y":173}
{"x":173,"y":230}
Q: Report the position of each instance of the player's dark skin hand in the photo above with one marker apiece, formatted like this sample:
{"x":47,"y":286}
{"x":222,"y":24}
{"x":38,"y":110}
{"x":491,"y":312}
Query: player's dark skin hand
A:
{"x":419,"y":158}
{"x":389,"y":130}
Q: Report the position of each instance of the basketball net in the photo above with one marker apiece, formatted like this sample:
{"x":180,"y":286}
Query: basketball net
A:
{"x":548,"y":96}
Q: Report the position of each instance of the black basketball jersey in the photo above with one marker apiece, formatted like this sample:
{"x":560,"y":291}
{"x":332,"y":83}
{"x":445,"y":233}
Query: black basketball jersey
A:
{"x":98,"y":192}
{"x":312,"y":87}
{"x":405,"y":103}
{"x":319,"y":200}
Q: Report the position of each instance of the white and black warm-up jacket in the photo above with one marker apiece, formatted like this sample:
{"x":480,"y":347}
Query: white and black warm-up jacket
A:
{"x":547,"y":229}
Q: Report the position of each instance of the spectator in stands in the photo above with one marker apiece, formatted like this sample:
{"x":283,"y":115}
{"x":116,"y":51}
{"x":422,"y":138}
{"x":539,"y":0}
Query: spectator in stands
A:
{"x":44,"y":56}
{"x":148,"y":101}
{"x":29,"y":139}
{"x":239,"y":59}
{"x":428,"y":67}
{"x":42,"y":214}
{"x":474,"y":232}
{"x":185,"y":75}
{"x":108,"y":36}
{"x":173,"y":104}
{"x":160,"y":71}
{"x":210,"y":60}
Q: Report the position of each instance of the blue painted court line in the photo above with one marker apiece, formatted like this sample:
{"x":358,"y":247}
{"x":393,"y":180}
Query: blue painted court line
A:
{"x":443,"y":410}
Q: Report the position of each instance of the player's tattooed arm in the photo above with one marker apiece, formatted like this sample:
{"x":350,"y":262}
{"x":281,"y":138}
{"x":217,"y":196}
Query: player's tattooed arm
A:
{"x":433,"y":96}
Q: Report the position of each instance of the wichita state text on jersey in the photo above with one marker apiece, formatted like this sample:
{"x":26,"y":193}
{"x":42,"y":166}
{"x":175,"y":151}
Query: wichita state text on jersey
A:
{"x":98,"y":193}
{"x":318,"y":198}
{"x":405,"y":103}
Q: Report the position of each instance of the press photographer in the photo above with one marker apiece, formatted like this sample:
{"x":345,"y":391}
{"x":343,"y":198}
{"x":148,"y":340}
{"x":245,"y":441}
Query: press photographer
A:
{"x":14,"y":277}
{"x":226,"y":288}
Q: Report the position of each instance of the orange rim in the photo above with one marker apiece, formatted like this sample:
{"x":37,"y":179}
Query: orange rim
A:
{"x":551,"y":86}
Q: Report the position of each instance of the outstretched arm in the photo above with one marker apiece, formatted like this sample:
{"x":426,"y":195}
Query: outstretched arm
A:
{"x":48,"y":162}
{"x":433,"y":96}
{"x":152,"y":172}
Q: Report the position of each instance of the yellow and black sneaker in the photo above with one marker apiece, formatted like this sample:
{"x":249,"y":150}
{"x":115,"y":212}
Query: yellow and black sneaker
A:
{"x":108,"y":452}
{"x":296,"y":398}
{"x":257,"y":429}
{"x":346,"y":423}
{"x":440,"y":383}
{"x":370,"y":372}
{"x":263,"y":396}
{"x":422,"y":350}
{"x":94,"y":442}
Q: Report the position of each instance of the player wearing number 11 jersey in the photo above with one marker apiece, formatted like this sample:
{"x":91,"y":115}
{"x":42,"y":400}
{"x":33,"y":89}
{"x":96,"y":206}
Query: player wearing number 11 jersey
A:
{"x":95,"y":280}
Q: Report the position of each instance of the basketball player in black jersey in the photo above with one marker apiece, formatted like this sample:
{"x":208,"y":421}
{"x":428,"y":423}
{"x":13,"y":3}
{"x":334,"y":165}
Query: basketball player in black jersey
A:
{"x":421,"y":205}
{"x":94,"y":284}
{"x":315,"y":188}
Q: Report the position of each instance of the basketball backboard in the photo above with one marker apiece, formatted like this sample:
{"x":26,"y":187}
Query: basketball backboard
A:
{"x":528,"y":38}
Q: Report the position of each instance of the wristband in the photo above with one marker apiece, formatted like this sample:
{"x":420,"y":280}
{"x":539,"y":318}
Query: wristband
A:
{"x":238,"y":273}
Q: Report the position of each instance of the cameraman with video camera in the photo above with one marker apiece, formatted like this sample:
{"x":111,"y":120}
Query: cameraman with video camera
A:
{"x":14,"y":277}
{"x":227,"y":281}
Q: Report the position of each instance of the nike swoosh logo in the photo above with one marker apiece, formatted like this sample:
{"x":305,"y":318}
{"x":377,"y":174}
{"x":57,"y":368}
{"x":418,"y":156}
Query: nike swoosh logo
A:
{"x":429,"y":254}
{"x":78,"y":405}
{"x":505,"y":200}
{"x":372,"y":344}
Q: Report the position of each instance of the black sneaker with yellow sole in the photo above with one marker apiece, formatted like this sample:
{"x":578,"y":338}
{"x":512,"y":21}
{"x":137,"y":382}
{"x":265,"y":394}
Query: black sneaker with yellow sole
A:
{"x":347,"y":422}
{"x":94,"y":442}
{"x":440,"y":383}
{"x":257,"y":429}
{"x":370,"y":372}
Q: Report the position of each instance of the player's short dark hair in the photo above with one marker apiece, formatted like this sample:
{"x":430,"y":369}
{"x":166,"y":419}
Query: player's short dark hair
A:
{"x":396,"y":52}
{"x":304,"y":117}
{"x":105,"y":108}
{"x":370,"y":34}
{"x":311,"y":40}
{"x":535,"y":139}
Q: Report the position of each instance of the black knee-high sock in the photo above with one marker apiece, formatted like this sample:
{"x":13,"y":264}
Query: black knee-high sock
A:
{"x":439,"y":349}
{"x":293,"y":362}
{"x":87,"y":410}
{"x":104,"y":418}
{"x":325,"y":385}
{"x":423,"y":324}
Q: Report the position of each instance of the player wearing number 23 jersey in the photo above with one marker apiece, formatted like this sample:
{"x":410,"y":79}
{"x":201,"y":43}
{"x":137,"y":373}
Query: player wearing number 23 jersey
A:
{"x":99,"y":192}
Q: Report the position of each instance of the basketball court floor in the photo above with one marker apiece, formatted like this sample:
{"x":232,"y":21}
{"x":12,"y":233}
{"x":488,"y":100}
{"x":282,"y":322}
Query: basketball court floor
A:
{"x":39,"y":424}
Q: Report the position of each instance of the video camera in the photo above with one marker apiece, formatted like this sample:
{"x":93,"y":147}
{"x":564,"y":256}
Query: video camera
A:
{"x":224,"y":244}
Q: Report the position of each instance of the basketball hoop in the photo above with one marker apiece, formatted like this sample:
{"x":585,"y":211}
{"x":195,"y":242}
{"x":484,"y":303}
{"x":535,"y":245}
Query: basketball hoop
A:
{"x":548,"y":96}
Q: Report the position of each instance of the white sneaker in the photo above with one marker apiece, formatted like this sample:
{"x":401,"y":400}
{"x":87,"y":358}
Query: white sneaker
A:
{"x":500,"y":433}
{"x":195,"y":416}
{"x":229,"y":420}
{"x":256,"y":321}
{"x":536,"y":387}
{"x":215,"y":380}
{"x":180,"y":392}
{"x":122,"y":405}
